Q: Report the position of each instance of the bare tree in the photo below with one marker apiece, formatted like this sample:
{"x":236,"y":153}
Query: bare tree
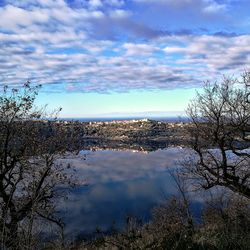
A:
{"x":29,"y":175}
{"x":220,"y":133}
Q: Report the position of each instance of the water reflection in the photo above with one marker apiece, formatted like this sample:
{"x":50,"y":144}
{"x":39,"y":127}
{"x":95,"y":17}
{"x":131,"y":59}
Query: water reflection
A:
{"x":120,"y":184}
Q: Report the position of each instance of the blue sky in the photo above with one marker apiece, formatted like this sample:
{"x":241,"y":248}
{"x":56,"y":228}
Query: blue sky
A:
{"x":116,"y":57}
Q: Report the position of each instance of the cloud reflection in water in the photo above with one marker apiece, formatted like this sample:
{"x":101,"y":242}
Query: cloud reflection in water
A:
{"x":121,"y":184}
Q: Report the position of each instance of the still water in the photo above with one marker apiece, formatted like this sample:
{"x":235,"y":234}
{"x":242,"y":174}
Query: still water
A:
{"x":120,"y":184}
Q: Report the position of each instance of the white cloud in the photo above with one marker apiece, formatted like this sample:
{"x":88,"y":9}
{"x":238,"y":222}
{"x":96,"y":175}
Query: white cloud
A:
{"x":95,"y":4}
{"x":214,"y":7}
{"x":133,"y":49}
{"x":12,"y":17}
{"x":215,"y":52}
{"x":119,"y":13}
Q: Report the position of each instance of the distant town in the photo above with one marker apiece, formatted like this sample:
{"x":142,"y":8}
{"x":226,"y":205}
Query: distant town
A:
{"x":139,"y":135}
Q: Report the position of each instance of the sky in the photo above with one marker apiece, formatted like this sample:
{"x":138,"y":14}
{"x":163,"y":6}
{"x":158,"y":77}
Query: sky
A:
{"x":99,"y":58}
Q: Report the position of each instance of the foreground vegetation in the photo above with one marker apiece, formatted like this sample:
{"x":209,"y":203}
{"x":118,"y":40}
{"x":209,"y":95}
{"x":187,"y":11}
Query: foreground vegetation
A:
{"x":225,"y":224}
{"x":29,"y":175}
{"x":221,"y":120}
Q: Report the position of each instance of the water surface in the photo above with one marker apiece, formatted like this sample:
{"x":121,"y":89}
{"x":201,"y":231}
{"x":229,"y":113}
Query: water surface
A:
{"x":120,"y":184}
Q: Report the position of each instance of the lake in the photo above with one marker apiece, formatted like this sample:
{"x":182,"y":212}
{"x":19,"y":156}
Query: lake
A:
{"x":120,"y":184}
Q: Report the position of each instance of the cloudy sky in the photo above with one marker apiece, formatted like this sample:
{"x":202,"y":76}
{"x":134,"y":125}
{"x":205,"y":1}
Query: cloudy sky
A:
{"x":118,"y":57}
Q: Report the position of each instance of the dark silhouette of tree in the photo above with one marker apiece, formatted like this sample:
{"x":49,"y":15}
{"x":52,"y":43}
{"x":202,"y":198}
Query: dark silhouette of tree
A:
{"x":220,"y":134}
{"x":29,"y":174}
